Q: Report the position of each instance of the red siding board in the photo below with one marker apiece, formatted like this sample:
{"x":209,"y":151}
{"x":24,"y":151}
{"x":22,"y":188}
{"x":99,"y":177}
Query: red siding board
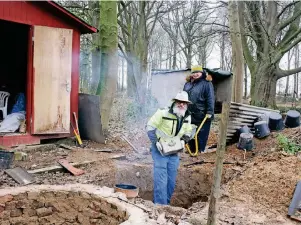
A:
{"x":75,"y":73}
{"x":33,"y":13}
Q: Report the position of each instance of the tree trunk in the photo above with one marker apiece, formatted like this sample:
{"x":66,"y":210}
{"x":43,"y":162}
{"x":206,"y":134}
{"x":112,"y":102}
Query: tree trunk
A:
{"x":174,"y":55}
{"x":237,"y":51}
{"x":246,"y":82}
{"x":295,"y":95}
{"x":222,"y":64}
{"x":288,"y":77}
{"x":265,"y":87}
{"x":109,"y":59}
{"x":189,"y":57}
{"x":131,"y":82}
{"x":96,"y":53}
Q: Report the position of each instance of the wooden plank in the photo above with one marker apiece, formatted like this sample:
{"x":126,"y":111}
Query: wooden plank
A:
{"x":59,"y":168}
{"x":75,"y":171}
{"x":52,"y":61}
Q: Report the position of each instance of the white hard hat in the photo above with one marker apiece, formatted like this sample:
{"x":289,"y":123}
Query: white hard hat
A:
{"x":182,"y":96}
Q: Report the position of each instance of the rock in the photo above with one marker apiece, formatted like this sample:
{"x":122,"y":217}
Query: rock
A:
{"x":30,"y":212}
{"x":41,"y":212}
{"x":16,"y":213}
{"x":161,"y":219}
{"x":6,"y":198}
{"x":2,"y":207}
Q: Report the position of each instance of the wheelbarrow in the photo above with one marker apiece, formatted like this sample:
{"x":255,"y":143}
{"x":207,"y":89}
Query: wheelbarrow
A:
{"x":196,"y":139}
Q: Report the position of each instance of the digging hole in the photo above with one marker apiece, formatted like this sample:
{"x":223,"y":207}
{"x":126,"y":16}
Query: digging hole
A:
{"x":60,"y":207}
{"x":179,"y":199}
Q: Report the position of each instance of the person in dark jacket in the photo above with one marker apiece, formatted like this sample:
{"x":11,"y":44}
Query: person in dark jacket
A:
{"x":201,"y":93}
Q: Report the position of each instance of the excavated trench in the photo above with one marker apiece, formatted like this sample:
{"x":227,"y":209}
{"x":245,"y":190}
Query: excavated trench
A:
{"x":58,"y":207}
{"x":193,"y":184}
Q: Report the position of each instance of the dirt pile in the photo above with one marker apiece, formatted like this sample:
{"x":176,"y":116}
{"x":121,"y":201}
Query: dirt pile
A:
{"x":261,"y":191}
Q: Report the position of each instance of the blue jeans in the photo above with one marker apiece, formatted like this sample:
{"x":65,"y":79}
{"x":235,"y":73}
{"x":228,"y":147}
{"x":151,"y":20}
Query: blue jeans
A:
{"x":202,"y":137}
{"x":165,"y":175}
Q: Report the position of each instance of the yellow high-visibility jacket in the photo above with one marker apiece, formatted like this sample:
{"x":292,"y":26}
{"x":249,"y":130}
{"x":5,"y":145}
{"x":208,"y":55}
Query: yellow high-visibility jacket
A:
{"x":166,"y":124}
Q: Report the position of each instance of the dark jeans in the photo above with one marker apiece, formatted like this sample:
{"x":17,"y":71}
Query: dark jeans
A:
{"x":202,"y":136}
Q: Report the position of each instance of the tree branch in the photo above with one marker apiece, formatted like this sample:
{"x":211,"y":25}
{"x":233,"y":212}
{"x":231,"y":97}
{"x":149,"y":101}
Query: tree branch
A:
{"x":284,"y":73}
{"x":247,"y":53}
{"x":285,"y":8}
{"x":296,"y":15}
{"x":285,"y":50}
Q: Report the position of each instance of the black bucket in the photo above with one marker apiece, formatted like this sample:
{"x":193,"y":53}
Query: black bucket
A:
{"x":245,"y":142}
{"x":244,"y":129}
{"x":276,"y":122}
{"x":6,"y":159}
{"x":292,"y":119}
{"x":261,"y":129}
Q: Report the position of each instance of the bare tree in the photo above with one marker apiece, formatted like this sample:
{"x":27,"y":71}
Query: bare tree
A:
{"x":238,"y":62}
{"x":274,"y":28}
{"x":137,"y":21}
{"x":184,"y":25}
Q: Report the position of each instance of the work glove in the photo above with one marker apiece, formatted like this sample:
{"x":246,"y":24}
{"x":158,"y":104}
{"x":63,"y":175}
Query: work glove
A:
{"x":159,"y":146}
{"x":208,"y":116}
{"x":185,"y":138}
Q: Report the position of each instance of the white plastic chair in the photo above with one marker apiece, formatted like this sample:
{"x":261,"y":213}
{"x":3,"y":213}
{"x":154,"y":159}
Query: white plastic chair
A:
{"x":3,"y":102}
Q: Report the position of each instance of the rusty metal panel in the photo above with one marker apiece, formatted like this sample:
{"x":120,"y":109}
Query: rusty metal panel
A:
{"x":20,"y":175}
{"x":52,"y":61}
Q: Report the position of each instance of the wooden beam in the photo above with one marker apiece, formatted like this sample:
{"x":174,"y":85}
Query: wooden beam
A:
{"x":59,"y":167}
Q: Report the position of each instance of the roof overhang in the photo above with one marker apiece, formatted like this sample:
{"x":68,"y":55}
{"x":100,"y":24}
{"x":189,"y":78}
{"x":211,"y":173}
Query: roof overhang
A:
{"x":84,"y":27}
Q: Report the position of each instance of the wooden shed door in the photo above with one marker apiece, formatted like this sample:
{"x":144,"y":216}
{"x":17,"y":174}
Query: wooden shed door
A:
{"x":52,"y":58}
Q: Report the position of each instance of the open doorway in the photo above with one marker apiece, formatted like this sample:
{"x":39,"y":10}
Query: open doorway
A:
{"x":14,"y":62}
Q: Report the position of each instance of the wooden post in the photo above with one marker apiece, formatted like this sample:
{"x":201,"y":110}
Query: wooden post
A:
{"x":223,"y":94}
{"x":215,"y":190}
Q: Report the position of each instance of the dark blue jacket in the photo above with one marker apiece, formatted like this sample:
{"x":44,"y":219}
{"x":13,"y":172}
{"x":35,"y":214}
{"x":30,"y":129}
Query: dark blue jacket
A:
{"x":201,"y":94}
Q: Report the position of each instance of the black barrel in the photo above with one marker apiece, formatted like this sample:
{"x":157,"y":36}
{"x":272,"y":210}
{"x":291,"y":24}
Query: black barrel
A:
{"x":261,"y":129}
{"x":89,"y":120}
{"x":292,"y":119}
{"x":245,"y":142}
{"x":276,"y":122}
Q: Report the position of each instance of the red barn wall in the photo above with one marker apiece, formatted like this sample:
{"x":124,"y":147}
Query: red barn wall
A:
{"x":38,"y":13}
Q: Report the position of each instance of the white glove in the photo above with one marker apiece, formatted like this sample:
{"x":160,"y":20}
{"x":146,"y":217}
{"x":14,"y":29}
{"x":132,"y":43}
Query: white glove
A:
{"x":159,"y":146}
{"x":209,"y":116}
{"x":183,"y":144}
